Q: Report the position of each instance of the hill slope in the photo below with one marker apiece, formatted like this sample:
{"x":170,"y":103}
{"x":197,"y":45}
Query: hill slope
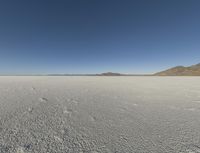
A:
{"x":193,"y":70}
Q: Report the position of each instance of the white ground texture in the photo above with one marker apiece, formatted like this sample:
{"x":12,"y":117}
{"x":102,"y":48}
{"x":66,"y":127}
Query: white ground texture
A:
{"x":99,"y":114}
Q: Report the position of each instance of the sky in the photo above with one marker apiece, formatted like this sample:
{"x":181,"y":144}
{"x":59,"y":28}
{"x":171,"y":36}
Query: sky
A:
{"x":95,"y":36}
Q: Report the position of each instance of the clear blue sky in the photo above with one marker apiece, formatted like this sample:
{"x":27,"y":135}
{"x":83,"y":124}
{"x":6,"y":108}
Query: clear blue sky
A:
{"x":94,"y":36}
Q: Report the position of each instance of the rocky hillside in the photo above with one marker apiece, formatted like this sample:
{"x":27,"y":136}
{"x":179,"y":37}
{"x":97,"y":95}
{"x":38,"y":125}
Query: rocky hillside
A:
{"x":193,"y":70}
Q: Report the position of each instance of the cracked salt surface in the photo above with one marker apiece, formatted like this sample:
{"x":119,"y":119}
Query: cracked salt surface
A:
{"x":99,"y":114}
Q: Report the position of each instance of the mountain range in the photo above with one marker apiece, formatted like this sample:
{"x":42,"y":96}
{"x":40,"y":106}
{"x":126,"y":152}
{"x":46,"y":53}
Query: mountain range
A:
{"x":193,"y":70}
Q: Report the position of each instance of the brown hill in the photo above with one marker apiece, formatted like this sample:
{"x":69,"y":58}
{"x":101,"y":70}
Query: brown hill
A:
{"x":193,"y":70}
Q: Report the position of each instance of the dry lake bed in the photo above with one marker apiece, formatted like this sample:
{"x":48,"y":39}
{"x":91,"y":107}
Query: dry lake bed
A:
{"x":40,"y":114}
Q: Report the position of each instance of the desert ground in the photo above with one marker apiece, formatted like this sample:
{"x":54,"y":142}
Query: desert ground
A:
{"x":82,"y":114}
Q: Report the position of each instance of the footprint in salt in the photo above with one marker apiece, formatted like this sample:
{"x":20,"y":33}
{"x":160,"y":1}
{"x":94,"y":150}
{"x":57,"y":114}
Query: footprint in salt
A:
{"x":30,"y":109}
{"x":74,"y":101}
{"x":42,"y":99}
{"x":20,"y":150}
{"x":58,"y":139}
{"x":33,"y":89}
{"x":67,"y":111}
{"x":92,"y":118}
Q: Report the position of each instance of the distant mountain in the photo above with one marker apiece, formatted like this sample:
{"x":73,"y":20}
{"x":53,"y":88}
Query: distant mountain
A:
{"x":101,"y":74}
{"x":193,"y":70}
{"x":110,"y":74}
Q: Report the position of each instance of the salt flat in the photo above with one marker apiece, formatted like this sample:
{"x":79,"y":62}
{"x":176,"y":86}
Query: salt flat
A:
{"x":43,"y":114}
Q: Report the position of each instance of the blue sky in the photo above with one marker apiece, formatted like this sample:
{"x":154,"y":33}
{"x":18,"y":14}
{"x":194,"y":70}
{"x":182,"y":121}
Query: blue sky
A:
{"x":94,"y":36}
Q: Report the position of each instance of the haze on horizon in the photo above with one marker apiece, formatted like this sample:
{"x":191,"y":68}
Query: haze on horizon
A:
{"x":90,"y":36}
